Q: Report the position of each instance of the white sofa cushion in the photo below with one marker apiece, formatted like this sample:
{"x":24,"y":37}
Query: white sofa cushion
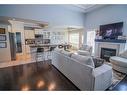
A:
{"x":82,"y":52}
{"x":83,"y":59}
{"x":124,"y":54}
{"x":120,"y":61}
{"x":66,"y":53}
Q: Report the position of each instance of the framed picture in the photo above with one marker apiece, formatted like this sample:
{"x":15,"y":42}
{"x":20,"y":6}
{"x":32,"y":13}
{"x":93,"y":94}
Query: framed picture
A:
{"x":2,"y":31}
{"x":2,"y":37}
{"x":3,"y":44}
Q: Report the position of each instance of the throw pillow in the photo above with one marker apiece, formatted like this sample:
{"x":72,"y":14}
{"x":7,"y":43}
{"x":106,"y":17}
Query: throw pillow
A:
{"x":98,"y":62}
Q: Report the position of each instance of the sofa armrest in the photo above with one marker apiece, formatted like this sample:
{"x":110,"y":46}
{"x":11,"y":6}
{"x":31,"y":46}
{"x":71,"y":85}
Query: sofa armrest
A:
{"x":102,"y":77}
{"x":102,"y":69}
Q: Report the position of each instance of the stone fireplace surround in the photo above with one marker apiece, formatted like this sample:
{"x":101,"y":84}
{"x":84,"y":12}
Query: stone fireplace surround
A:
{"x":120,"y":47}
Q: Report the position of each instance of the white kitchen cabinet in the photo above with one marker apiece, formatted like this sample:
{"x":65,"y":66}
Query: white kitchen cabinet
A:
{"x":58,"y":37}
{"x":29,"y":34}
{"x":46,"y":35}
{"x":38,"y":31}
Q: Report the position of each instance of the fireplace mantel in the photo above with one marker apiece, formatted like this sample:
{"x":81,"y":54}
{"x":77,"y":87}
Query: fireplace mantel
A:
{"x":111,"y":41}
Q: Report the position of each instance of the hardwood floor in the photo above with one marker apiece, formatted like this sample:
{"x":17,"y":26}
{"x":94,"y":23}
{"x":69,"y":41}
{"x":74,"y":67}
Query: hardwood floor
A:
{"x":40,"y":76}
{"x":122,"y":85}
{"x":34,"y":76}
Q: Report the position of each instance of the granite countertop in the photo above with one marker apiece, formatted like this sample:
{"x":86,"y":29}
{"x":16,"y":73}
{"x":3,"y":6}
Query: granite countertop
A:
{"x":45,"y":45}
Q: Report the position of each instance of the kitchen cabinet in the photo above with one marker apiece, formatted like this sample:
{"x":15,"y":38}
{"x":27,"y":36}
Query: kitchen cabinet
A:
{"x":27,"y":49}
{"x":29,"y":34}
{"x":46,"y":35}
{"x":38,"y":31}
{"x":58,"y":37}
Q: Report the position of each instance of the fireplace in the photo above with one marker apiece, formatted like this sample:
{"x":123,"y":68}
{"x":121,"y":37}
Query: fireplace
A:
{"x":106,"y":53}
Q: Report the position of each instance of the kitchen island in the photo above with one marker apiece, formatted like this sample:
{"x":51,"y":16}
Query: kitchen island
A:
{"x":33,"y":48}
{"x":48,"y":45}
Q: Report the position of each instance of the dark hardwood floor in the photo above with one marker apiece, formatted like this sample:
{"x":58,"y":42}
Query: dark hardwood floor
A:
{"x":34,"y":76}
{"x":40,"y":76}
{"x":122,"y":85}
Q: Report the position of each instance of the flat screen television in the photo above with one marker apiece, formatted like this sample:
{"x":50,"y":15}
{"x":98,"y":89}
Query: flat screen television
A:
{"x":111,"y":31}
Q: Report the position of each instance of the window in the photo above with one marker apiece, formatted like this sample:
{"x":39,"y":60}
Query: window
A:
{"x":74,"y":39}
{"x":90,"y":39}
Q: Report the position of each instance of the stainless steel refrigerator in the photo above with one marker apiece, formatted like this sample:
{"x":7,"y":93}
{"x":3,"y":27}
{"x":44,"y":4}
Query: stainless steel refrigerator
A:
{"x":12,"y":45}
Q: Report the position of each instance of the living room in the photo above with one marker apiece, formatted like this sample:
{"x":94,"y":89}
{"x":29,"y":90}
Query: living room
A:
{"x":43,"y":49}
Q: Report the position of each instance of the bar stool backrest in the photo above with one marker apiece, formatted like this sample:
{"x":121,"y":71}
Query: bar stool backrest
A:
{"x":39,"y":50}
{"x":51,"y":48}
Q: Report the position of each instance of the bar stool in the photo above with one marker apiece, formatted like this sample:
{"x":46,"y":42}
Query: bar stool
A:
{"x":40,"y":53}
{"x":49,"y":53}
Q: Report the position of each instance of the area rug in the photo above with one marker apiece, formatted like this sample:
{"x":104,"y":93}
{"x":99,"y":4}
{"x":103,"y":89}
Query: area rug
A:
{"x":117,"y":77}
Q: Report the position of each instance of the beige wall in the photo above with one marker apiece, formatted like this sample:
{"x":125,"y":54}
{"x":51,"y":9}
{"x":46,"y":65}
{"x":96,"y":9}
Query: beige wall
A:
{"x":5,"y":52}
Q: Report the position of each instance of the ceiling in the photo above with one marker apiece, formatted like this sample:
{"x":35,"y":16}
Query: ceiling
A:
{"x":87,"y":7}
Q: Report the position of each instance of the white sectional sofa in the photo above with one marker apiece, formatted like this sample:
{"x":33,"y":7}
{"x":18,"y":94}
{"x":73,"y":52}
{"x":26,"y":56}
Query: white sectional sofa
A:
{"x":80,"y":70}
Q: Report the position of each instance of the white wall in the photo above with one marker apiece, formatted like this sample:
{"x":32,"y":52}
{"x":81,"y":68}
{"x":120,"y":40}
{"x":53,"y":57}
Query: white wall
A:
{"x":105,"y":15}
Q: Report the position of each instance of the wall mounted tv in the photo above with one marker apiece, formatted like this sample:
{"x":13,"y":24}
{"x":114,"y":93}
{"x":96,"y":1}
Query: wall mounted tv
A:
{"x":111,"y":31}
